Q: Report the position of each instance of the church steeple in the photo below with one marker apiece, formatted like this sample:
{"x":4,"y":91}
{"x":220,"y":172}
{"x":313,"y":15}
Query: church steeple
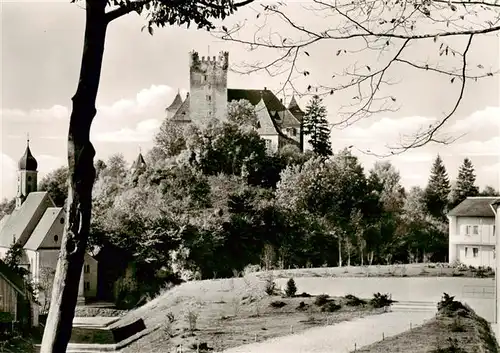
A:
{"x":26,"y":175}
{"x":139,"y":163}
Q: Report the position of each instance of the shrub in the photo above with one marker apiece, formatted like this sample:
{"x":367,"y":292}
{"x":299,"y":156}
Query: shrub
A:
{"x":330,"y":307}
{"x":352,"y":300}
{"x":381,"y":300}
{"x":449,"y":307}
{"x":452,"y":347}
{"x":321,"y":299}
{"x":277,"y":304}
{"x":291,"y":288}
{"x":301,"y":306}
{"x":270,"y":285}
{"x":304,"y":295}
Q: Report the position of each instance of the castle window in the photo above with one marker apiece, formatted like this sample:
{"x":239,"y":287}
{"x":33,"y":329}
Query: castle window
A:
{"x":56,"y":238}
{"x":87,"y":285}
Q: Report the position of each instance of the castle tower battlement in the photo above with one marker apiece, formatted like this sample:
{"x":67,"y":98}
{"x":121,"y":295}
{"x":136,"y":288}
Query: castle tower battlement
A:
{"x":208,"y":87}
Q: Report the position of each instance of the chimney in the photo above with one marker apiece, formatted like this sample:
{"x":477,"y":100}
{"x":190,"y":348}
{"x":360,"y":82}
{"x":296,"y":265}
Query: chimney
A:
{"x":265,"y":88}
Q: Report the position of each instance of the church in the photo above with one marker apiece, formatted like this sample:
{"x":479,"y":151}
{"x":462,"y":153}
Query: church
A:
{"x":208,"y":97}
{"x":37,"y":225}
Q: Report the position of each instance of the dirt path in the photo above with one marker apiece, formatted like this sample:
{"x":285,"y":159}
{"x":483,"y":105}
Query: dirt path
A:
{"x":342,"y":337}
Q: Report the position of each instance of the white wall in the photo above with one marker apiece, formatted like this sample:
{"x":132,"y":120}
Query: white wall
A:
{"x":90,"y":276}
{"x":484,"y":255}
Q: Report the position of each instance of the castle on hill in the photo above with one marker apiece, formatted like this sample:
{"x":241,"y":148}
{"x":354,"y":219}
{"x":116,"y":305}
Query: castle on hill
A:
{"x":208,"y":97}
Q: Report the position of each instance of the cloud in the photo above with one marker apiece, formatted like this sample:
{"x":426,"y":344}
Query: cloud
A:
{"x":7,"y":176}
{"x":143,"y":132}
{"x":481,"y":120}
{"x":54,"y":114}
{"x":489,"y":147}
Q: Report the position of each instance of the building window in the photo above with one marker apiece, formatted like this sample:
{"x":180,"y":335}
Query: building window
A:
{"x":475,"y":230}
{"x":87,"y":268}
{"x":29,"y":178}
{"x":268,"y":143}
{"x":87,"y":285}
{"x":209,"y":97}
{"x":61,"y":220}
{"x":466,"y":250}
{"x":56,"y":238}
{"x":475,"y":252}
{"x":204,"y":78}
{"x":494,"y":229}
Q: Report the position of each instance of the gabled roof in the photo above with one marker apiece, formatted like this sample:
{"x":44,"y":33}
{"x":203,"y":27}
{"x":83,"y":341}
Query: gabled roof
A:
{"x":51,"y":215}
{"x":182,"y":114}
{"x":294,"y":108}
{"x":177,"y":102}
{"x":266,"y":123}
{"x":24,"y":220}
{"x":139,"y":162}
{"x":288,"y":119}
{"x":16,"y":281}
{"x":475,"y":207}
{"x":272,"y":102}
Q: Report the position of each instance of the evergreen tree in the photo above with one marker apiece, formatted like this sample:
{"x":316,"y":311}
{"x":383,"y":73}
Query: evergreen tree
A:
{"x":316,"y":126}
{"x":438,"y":190}
{"x":465,"y":184}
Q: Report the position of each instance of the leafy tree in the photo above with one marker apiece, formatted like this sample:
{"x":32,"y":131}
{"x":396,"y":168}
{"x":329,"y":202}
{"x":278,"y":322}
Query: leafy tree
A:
{"x":315,"y":125}
{"x":7,"y":206}
{"x":242,"y":113}
{"x":388,"y":179}
{"x":489,"y":191}
{"x":56,"y":184}
{"x":438,"y":190}
{"x":13,"y":258}
{"x":465,"y":184}
{"x":170,"y":139}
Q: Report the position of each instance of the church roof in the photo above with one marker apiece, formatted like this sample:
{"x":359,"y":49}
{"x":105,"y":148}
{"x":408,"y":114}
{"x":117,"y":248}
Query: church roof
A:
{"x":177,"y":102}
{"x":23,"y":221}
{"x":139,"y":162}
{"x":27,"y":161}
{"x":51,"y":215}
{"x":480,"y":206}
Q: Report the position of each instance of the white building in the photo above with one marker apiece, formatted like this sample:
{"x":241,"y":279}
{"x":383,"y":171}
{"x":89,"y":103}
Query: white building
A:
{"x":472,"y":232}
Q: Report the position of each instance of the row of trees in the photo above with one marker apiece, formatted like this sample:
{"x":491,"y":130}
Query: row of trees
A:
{"x":212,"y":200}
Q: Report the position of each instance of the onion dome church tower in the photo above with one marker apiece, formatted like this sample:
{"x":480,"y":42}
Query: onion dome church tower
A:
{"x":26,"y":175}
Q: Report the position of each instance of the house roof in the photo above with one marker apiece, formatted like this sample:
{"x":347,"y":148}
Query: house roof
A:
{"x":266,"y":123}
{"x":51,"y":215}
{"x":27,"y":161}
{"x":16,"y":281}
{"x":21,"y":220}
{"x":475,"y":207}
{"x":177,"y":102}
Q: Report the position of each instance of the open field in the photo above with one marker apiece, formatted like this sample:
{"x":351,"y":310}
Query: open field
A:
{"x":404,"y":270}
{"x":228,"y":313}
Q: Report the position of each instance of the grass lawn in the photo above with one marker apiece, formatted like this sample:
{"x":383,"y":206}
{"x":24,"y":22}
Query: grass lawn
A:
{"x":404,"y":270}
{"x":442,"y":334}
{"x":221,"y":314}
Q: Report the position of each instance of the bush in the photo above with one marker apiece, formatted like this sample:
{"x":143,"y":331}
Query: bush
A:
{"x":381,"y":300}
{"x":330,"y":307}
{"x":301,"y":306}
{"x":321,"y":299}
{"x":291,"y":288}
{"x":450,"y":307}
{"x":352,"y":300}
{"x":277,"y":304}
{"x":457,"y":326}
{"x":304,"y":295}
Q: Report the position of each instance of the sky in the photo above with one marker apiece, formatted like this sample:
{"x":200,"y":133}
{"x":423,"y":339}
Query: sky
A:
{"x":141,"y":74}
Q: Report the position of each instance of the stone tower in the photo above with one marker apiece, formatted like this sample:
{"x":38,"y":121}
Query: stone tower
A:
{"x":208,"y":87}
{"x":26,"y":176}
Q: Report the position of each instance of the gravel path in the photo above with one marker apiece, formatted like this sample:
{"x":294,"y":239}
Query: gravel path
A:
{"x":339,"y":338}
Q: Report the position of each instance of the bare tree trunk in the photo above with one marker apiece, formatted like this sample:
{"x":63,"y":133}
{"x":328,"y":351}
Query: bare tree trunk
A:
{"x":340,"y":252}
{"x":81,"y":178}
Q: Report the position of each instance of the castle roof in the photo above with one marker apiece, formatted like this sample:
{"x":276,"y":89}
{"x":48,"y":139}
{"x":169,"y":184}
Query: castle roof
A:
{"x":182,"y":114}
{"x":27,"y":161}
{"x":177,"y":102}
{"x":294,"y":108}
{"x":480,"y":206}
{"x":272,"y":103}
